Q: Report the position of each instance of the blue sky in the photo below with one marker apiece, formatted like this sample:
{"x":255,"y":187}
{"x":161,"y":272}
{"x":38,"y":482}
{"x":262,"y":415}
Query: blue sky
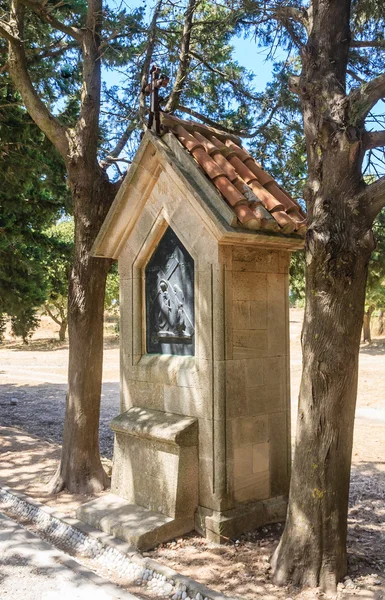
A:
{"x":246,"y":51}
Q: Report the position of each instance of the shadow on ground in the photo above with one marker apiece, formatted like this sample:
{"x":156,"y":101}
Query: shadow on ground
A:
{"x":27,"y":465}
{"x":241,"y":567}
{"x":375,"y":348}
{"x":366,"y":521}
{"x":33,"y":570}
{"x":51,"y":344}
{"x":39,"y":410}
{"x":38,"y":345}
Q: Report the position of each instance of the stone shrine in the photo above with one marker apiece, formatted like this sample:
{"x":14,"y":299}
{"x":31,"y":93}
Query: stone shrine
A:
{"x":203,"y":237}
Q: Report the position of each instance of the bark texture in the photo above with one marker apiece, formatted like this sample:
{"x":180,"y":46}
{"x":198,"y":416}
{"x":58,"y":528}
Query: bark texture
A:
{"x":63,"y":330}
{"x":80,"y":467}
{"x":367,"y":335}
{"x":312,"y":550}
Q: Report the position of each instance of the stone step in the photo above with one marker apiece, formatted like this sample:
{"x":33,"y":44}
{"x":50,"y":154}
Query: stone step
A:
{"x":137,"y":525}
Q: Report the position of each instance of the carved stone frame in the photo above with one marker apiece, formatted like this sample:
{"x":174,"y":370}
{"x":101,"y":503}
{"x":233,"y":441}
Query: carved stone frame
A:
{"x":139,"y":356}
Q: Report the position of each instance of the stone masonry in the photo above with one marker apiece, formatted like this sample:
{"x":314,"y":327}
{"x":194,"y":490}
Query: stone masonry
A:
{"x":211,"y":428}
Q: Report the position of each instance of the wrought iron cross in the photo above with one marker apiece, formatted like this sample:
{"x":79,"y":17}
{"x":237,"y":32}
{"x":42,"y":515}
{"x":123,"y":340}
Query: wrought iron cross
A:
{"x":157,"y":81}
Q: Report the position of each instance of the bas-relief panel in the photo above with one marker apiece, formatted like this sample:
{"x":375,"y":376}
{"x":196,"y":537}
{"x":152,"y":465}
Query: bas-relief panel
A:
{"x":169,"y":296}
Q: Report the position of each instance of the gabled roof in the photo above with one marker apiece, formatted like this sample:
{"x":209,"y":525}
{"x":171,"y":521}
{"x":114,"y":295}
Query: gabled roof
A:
{"x":257,"y":200}
{"x":238,"y":201}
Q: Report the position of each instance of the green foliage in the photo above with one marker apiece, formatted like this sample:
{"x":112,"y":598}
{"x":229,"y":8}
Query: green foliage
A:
{"x":375,"y":287}
{"x":111,"y":301}
{"x":279,"y":144}
{"x":58,"y":257}
{"x":31,"y":198}
{"x":24,"y":323}
{"x":215,"y":76}
{"x":216,"y":86}
{"x":297,"y":278}
{"x":57,"y":266}
{"x":21,"y":284}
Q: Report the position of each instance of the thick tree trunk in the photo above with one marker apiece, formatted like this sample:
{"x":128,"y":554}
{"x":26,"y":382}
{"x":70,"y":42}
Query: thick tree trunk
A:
{"x":367,"y":336}
{"x":80,"y":468}
{"x":62,"y":330}
{"x":312,"y":550}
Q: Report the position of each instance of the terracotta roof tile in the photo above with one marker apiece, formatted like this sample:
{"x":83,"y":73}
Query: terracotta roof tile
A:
{"x":257,"y":200}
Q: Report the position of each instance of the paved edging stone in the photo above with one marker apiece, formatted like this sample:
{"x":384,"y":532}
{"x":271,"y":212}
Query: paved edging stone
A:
{"x":79,"y":538}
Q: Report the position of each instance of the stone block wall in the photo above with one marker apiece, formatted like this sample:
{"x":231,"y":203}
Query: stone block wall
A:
{"x":257,"y":373}
{"x":237,"y":384}
{"x":156,"y":461}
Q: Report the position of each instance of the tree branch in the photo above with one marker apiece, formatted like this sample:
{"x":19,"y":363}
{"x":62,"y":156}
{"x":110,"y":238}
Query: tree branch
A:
{"x":284,"y":14}
{"x":355,"y":76}
{"x":223,"y":75}
{"x":290,"y":12}
{"x":40,"y":9}
{"x":50,"y":313}
{"x":114,"y":154}
{"x":6,"y":32}
{"x":374,"y":139}
{"x":184,"y":58}
{"x":367,"y":44}
{"x":19,"y":73}
{"x":208,"y":121}
{"x":87,"y":126}
{"x":55,"y":51}
{"x":293,"y":84}
{"x":363,"y":99}
{"x":373,"y":198}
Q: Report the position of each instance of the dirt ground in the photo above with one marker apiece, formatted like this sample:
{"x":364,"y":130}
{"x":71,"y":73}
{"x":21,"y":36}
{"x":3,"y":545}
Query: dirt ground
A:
{"x":32,"y":399}
{"x":33,"y":384}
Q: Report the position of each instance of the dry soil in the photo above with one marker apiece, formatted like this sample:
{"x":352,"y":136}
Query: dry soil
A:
{"x":32,"y":399}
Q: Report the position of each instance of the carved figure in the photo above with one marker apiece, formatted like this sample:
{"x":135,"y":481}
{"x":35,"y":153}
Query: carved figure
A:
{"x":164,"y":314}
{"x":180,"y":324}
{"x":170,"y":298}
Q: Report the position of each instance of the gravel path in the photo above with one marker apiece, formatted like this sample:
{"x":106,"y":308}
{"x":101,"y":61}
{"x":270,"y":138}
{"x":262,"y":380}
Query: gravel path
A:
{"x":33,"y":390}
{"x":32,"y":397}
{"x":33,"y":385}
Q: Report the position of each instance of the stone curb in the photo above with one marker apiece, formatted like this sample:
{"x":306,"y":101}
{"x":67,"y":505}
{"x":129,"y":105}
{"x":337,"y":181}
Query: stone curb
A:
{"x":109,"y":588}
{"x":106,"y":551}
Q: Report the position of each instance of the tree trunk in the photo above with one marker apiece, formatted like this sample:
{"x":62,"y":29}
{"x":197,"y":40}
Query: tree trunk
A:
{"x":381,"y":322}
{"x":80,"y":469}
{"x":62,"y":330}
{"x":366,"y":326}
{"x":312,"y":550}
